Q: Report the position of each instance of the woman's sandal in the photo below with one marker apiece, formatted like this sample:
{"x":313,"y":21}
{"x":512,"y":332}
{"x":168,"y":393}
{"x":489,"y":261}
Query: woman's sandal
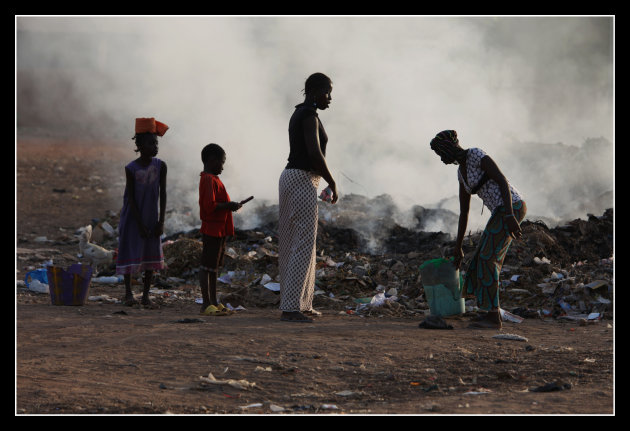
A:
{"x":130,"y":302}
{"x":295,"y":316}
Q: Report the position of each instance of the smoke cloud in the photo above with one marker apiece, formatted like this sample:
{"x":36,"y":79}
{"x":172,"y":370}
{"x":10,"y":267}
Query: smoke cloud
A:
{"x":536,"y":93}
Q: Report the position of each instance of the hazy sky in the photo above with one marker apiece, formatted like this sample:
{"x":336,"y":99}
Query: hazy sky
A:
{"x":501,"y":82}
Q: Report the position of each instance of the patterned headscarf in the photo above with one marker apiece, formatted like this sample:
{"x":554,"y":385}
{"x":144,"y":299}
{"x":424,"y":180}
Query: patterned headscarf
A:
{"x":446,"y":145}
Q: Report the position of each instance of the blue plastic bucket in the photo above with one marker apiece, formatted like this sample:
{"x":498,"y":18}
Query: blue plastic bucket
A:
{"x":442,"y":284}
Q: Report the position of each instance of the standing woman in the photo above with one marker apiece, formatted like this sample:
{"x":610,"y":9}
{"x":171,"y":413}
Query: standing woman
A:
{"x":478,"y":174}
{"x":297,"y":230}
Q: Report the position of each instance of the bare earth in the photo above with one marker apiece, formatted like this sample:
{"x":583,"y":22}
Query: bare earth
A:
{"x":105,"y":358}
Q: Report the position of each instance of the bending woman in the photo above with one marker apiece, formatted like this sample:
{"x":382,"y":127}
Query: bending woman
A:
{"x":479,"y":174}
{"x":297,"y":227}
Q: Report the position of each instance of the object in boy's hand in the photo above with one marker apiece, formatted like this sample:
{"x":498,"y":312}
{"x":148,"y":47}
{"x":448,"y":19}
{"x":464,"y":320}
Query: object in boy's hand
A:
{"x":326,"y":195}
{"x":247,"y":200}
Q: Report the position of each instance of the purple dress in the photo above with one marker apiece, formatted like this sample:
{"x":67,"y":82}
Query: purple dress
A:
{"x":136,"y":254}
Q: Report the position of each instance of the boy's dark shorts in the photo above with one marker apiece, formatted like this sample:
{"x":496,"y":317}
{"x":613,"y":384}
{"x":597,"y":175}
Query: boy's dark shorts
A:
{"x":213,"y":252}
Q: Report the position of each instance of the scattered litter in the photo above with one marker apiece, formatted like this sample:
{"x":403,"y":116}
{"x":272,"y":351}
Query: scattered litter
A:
{"x":238,"y":384}
{"x":597,"y":284}
{"x":515,"y":290}
{"x":602,"y":300}
{"x":108,"y":228}
{"x":108,"y":280}
{"x":251,"y":406}
{"x":506,"y":315}
{"x":366,"y":300}
{"x":231,"y":308}
{"x":345,"y":393}
{"x":231,"y":253}
{"x":329,"y":407}
{"x":381,"y":299}
{"x":510,"y":337}
{"x":542,"y":261}
{"x":39,"y":275}
{"x":276,"y":409}
{"x":274,"y":287}
{"x":104,"y":298}
{"x":226,"y":278}
{"x":38,"y":286}
{"x":480,"y":391}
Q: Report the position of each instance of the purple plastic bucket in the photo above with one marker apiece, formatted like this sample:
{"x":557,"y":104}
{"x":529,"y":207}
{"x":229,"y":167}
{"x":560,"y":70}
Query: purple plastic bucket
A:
{"x":69,"y":287}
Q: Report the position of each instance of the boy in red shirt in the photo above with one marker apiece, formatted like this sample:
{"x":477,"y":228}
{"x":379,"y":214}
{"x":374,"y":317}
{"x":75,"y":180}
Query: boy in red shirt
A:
{"x":215,"y":211}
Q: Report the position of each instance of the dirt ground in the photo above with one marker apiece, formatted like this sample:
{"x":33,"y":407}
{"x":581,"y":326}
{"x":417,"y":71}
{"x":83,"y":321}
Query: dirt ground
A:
{"x":105,"y":358}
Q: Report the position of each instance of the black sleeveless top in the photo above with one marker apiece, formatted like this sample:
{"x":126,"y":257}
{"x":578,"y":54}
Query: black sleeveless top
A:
{"x":298,"y":154}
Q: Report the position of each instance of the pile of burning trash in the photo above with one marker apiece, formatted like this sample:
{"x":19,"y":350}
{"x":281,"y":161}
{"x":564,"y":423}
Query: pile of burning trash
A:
{"x":565,"y":272}
{"x":561,"y":272}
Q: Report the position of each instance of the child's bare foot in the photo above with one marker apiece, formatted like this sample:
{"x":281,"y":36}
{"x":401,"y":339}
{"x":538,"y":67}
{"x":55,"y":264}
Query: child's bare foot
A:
{"x":491,"y":320}
{"x":130,"y":301}
{"x":146,"y":303}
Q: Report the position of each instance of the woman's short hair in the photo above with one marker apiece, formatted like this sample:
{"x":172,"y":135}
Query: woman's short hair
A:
{"x":315,"y":82}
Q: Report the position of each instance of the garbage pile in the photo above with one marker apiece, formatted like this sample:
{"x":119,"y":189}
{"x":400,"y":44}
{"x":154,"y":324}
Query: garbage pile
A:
{"x":565,"y":272}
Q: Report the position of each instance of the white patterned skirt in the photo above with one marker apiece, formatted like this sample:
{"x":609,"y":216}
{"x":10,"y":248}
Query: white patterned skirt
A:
{"x":297,"y":237}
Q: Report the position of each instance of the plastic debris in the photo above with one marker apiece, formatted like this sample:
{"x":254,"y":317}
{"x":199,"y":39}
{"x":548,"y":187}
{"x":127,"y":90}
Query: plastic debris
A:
{"x":38,"y":275}
{"x":274,"y":287}
{"x":510,"y":337}
{"x":108,"y":280}
{"x":345,"y":393}
{"x":480,"y":391}
{"x":251,"y":406}
{"x":329,"y":407}
{"x":238,"y":384}
{"x":38,"y":286}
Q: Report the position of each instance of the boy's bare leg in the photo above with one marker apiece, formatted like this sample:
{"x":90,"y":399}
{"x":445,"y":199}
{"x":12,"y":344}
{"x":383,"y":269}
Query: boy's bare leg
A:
{"x":208,"y":285}
{"x":203,"y":284}
{"x":212,"y":287}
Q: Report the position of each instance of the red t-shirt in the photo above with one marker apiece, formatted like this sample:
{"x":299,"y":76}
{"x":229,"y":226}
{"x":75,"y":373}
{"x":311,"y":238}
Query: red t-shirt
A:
{"x":211,"y":192}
